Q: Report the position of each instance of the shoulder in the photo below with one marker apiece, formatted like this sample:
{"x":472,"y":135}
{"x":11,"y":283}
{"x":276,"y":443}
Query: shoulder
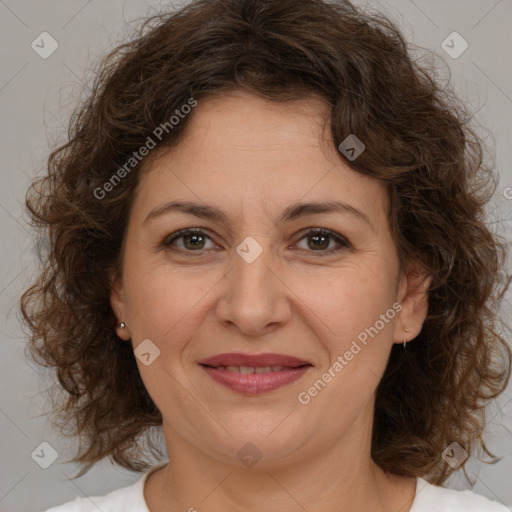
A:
{"x":120,"y":499}
{"x":431,"y":497}
{"x":127,"y":499}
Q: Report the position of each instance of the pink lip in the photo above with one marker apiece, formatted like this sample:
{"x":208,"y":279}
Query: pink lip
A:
{"x":257,"y":360}
{"x":254,"y":383}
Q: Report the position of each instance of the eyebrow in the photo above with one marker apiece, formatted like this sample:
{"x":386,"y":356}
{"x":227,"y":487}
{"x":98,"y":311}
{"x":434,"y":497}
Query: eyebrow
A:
{"x":292,"y":212}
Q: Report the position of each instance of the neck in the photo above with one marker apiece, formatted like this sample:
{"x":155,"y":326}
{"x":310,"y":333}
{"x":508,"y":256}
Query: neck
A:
{"x":342,"y":478}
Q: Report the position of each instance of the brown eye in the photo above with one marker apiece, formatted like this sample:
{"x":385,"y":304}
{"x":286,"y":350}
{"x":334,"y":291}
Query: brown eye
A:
{"x":188,"y":240}
{"x":319,"y":240}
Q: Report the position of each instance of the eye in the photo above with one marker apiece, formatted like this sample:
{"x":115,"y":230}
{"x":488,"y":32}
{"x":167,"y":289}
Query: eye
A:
{"x":319,"y":240}
{"x":192,"y":240}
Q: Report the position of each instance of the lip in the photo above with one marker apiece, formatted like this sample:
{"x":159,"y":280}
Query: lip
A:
{"x":254,"y":383}
{"x":255,"y":360}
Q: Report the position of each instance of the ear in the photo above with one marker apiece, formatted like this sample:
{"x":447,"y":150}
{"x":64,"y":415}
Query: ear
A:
{"x":118,"y":304}
{"x":413,"y":296}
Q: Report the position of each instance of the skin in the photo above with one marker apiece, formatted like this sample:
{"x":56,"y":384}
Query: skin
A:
{"x":252,"y":158}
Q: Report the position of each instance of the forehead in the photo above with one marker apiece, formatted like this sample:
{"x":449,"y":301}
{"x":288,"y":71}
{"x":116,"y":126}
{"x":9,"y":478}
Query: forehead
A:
{"x":241,"y":149}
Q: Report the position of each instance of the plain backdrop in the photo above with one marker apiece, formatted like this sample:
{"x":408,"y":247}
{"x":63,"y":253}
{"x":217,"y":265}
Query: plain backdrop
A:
{"x":37,"y":96}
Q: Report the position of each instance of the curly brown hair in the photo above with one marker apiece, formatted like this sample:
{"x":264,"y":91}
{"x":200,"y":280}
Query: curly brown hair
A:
{"x":418,"y":140}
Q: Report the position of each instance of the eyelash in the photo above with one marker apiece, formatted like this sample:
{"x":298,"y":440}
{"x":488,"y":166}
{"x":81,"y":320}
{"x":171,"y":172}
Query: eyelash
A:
{"x":343,"y":243}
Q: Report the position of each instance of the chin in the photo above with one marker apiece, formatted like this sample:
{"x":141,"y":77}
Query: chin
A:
{"x":262,"y":448}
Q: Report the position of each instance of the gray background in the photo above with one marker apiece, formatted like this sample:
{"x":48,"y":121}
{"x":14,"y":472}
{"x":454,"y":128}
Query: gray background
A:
{"x":36,"y":98}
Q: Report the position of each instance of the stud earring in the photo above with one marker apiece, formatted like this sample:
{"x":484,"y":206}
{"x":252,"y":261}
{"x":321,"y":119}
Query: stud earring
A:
{"x":122,"y":325}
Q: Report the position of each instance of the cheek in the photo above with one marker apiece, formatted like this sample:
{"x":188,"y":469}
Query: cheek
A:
{"x":164,"y":303}
{"x":167,"y":307}
{"x":349,"y":300}
{"x":354,"y":321}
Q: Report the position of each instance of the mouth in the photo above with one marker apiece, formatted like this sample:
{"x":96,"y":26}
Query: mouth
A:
{"x":254,"y":374}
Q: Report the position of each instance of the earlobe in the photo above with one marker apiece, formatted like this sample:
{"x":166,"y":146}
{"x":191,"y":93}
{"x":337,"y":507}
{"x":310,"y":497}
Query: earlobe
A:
{"x":413,"y":296}
{"x":117,"y":302}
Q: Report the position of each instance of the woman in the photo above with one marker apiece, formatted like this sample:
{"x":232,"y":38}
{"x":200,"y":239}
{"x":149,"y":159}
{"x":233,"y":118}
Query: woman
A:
{"x":266,"y":236}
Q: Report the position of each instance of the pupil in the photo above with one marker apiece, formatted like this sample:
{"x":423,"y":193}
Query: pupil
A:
{"x":317,"y":238}
{"x":192,"y":237}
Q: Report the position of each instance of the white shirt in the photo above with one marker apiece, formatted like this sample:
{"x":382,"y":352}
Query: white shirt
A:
{"x":429,"y":498}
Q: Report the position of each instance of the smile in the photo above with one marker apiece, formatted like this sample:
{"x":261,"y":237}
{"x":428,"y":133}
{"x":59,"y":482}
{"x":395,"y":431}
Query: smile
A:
{"x":251,"y":369}
{"x":254,"y":374}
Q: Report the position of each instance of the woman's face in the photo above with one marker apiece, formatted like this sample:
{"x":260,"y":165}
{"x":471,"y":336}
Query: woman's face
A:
{"x":253,"y":282}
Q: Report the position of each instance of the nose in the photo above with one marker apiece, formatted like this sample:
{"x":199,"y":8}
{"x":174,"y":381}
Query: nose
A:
{"x":255,"y":299}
